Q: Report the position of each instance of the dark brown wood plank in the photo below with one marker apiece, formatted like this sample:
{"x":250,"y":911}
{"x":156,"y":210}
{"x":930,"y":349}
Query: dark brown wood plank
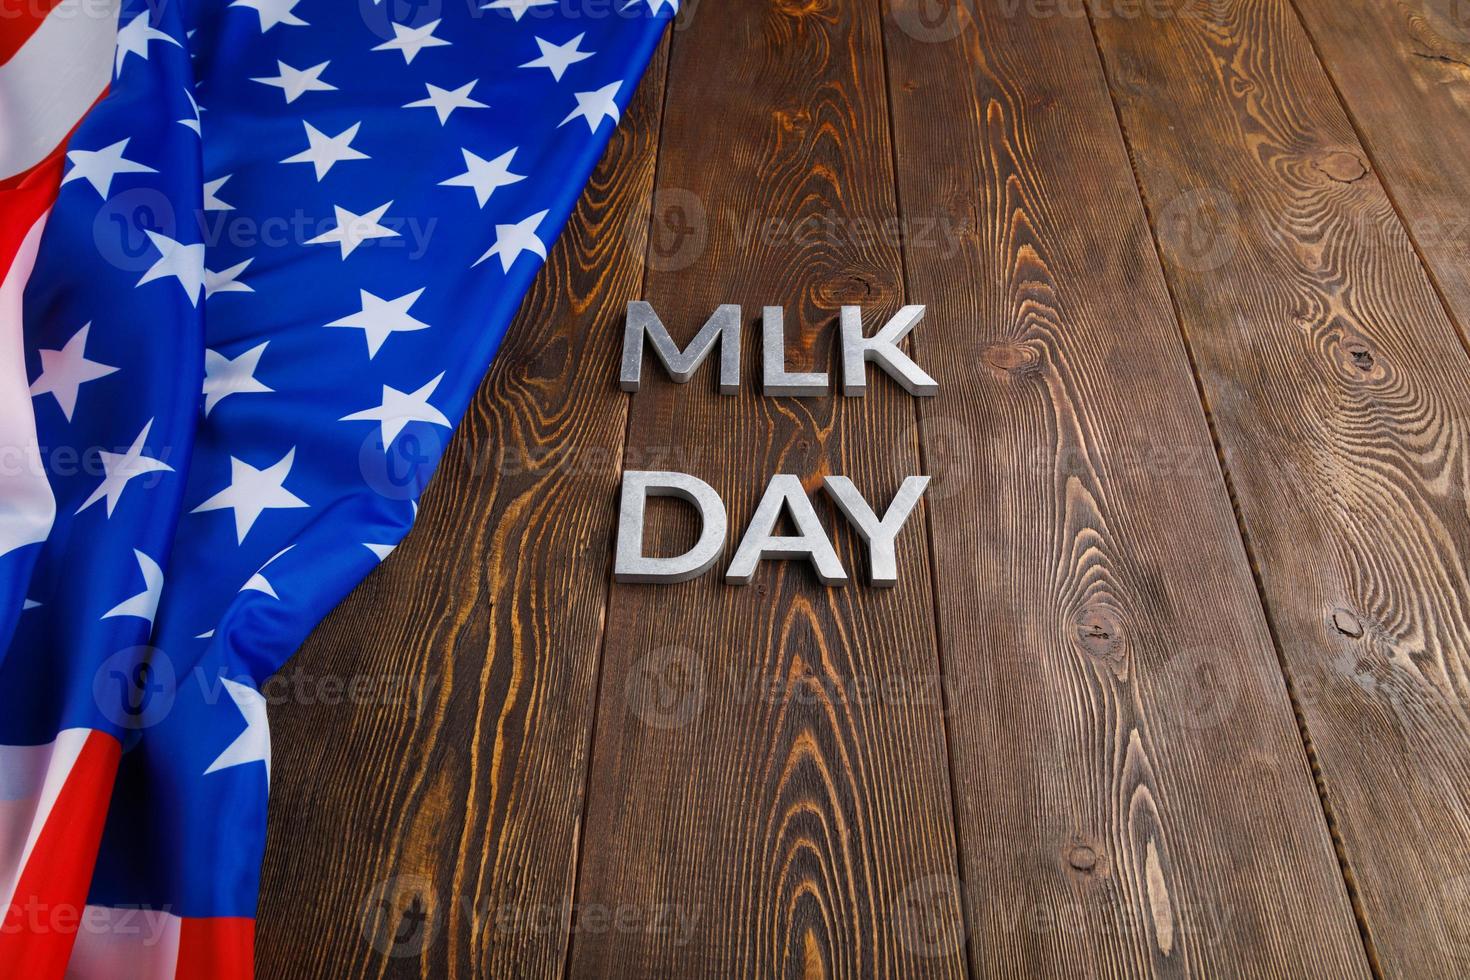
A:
{"x":1341,"y":397}
{"x":1134,"y":797}
{"x":770,"y":762}
{"x":489,"y":618}
{"x":1402,"y":68}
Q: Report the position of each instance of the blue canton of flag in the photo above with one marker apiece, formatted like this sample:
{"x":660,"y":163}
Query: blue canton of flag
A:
{"x":284,"y":248}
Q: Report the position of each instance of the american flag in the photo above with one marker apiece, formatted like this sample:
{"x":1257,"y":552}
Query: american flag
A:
{"x":256,"y":257}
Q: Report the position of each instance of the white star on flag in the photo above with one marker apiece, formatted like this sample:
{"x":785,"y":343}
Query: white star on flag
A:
{"x":322,"y":151}
{"x":400,"y":408}
{"x":253,"y":491}
{"x":295,"y":82}
{"x":258,"y":582}
{"x":381,"y":550}
{"x":144,"y":605}
{"x":444,"y":101}
{"x":273,"y":12}
{"x":380,"y":318}
{"x":98,"y":167}
{"x":517,"y":8}
{"x":558,"y":57}
{"x":177,"y":261}
{"x":211,"y":192}
{"x":119,"y":468}
{"x":412,"y":40}
{"x":226,"y":376}
{"x":134,"y":38}
{"x":512,"y":240}
{"x":64,"y":371}
{"x":354,"y":229}
{"x":192,"y":123}
{"x":485,"y":175}
{"x":226,"y":280}
{"x":655,"y":5}
{"x":254,"y":743}
{"x":595,"y":106}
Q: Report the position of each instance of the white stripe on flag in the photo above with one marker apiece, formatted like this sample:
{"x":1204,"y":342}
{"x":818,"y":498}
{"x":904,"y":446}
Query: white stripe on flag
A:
{"x":140,"y":944}
{"x":31,"y":777}
{"x":27,"y":507}
{"x":53,"y":79}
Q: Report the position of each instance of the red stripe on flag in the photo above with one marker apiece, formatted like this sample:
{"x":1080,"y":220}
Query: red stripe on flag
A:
{"x":41,"y":922}
{"x":216,"y":949}
{"x":30,"y":196}
{"x":18,"y":21}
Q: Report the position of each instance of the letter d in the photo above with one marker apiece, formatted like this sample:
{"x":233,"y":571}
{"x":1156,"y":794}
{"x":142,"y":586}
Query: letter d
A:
{"x":631,"y":564}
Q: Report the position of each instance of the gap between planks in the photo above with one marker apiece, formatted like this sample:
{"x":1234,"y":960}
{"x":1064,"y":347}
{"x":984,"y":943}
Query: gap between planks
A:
{"x":922,"y":450}
{"x":580,"y":844}
{"x":1328,"y":814}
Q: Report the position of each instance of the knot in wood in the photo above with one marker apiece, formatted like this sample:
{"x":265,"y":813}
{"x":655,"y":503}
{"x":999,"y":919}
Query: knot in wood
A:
{"x":1016,"y":359}
{"x":1359,"y":361}
{"x":793,"y":120}
{"x":1341,"y":166}
{"x":801,"y":8}
{"x":1099,"y":633}
{"x":1346,"y":623}
{"x":1082,"y":858}
{"x":856,"y":289}
{"x":1359,"y":354}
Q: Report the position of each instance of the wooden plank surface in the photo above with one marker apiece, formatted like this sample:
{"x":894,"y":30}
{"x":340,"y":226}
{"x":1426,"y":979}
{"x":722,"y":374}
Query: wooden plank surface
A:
{"x":1341,"y":396}
{"x":1402,"y":69}
{"x":770,"y":764}
{"x":430,"y":828}
{"x":1070,"y":742}
{"x":1134,"y":799}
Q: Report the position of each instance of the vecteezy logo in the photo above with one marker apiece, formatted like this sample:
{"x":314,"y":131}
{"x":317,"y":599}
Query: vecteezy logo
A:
{"x":933,"y":21}
{"x":679,"y":230}
{"x":1208,"y":695}
{"x":380,"y":16}
{"x":926,"y":917}
{"x":120,"y":230}
{"x":665,"y":689}
{"x":401,"y":470}
{"x":399,"y":916}
{"x":1200,"y":229}
{"x":135,"y":688}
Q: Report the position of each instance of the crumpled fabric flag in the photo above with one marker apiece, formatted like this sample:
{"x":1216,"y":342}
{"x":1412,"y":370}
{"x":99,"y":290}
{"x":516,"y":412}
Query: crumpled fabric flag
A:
{"x":255,"y":257}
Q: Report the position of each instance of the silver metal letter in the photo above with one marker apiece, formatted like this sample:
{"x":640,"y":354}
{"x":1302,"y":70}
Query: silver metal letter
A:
{"x":723,"y":325}
{"x":882,"y":347}
{"x":785,"y":490}
{"x":777,"y":380}
{"x":631,"y":564}
{"x":878,"y":534}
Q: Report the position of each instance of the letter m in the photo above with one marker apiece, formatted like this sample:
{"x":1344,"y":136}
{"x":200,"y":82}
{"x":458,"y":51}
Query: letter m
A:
{"x":723,"y":325}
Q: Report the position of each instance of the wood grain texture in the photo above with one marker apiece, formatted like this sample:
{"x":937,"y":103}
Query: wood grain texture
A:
{"x":1402,"y":68}
{"x":467,"y":801}
{"x":770,"y":761}
{"x":1134,"y":798}
{"x":1063,"y":746}
{"x":1341,"y":397}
